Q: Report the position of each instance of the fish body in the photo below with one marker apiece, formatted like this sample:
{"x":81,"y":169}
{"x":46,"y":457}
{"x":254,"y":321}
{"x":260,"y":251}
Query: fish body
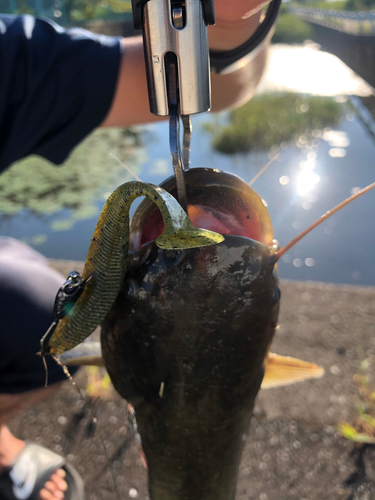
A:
{"x":204,"y":343}
{"x":186,"y":341}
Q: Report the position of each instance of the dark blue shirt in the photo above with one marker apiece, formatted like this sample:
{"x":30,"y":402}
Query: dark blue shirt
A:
{"x":56,"y":86}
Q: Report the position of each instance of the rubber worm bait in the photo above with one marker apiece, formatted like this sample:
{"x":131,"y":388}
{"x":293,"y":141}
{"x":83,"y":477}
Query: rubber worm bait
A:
{"x":107,"y":259}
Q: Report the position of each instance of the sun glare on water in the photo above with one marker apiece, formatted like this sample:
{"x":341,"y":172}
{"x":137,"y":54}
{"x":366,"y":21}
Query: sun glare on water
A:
{"x":306,"y":181}
{"x":307,"y":69}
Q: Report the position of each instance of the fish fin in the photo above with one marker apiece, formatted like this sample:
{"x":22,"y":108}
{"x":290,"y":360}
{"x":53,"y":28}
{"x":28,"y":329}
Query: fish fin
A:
{"x":87,"y":353}
{"x":284,"y":370}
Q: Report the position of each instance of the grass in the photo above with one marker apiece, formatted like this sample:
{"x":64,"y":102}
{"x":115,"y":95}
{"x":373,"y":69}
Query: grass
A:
{"x":291,"y":29}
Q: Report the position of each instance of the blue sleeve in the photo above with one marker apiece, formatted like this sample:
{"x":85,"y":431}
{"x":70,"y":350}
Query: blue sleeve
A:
{"x":56,"y":86}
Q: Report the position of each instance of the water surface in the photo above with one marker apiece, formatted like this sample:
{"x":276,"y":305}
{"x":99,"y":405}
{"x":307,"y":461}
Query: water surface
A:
{"x":306,"y":180}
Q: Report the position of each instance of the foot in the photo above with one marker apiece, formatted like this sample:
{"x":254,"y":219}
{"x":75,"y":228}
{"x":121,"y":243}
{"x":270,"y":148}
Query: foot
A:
{"x":11,"y":447}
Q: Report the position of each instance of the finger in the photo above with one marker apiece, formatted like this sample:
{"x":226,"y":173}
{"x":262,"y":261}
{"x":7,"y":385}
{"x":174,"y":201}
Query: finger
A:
{"x":60,"y":473}
{"x":46,"y":494}
{"x":53,"y":490}
{"x":58,"y":479}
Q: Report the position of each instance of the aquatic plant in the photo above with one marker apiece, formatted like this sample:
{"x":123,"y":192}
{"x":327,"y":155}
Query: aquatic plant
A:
{"x":37,"y":185}
{"x":270,"y":119}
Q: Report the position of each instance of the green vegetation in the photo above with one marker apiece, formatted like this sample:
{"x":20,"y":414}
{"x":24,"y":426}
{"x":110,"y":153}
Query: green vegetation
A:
{"x":321,"y":4}
{"x":37,"y":185}
{"x":120,"y":5}
{"x":23,"y":8}
{"x":271,"y":119}
{"x":291,"y":29}
{"x":363,"y":430}
{"x":360,"y":5}
{"x":76,"y":10}
{"x":355,"y":5}
{"x":84,"y":10}
{"x":339,"y":5}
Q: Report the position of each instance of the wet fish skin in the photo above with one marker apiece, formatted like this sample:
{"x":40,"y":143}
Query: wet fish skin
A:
{"x":211,"y":365}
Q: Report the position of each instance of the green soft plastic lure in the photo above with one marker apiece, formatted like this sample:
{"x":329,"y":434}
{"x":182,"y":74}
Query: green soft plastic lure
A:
{"x":107,"y":259}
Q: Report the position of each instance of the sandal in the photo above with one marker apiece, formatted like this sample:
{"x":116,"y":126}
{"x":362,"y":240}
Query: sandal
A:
{"x":25,"y":478}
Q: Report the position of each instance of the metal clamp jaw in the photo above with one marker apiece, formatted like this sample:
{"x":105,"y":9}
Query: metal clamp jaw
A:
{"x":175,"y":39}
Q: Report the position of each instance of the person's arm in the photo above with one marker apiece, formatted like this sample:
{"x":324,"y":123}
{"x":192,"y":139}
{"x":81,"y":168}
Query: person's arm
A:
{"x":236,"y":21}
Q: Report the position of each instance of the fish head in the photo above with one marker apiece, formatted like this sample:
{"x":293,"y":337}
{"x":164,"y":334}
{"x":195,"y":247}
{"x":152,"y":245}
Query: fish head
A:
{"x":203,"y":306}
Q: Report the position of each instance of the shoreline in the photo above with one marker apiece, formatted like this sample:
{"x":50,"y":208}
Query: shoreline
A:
{"x":65,"y":266}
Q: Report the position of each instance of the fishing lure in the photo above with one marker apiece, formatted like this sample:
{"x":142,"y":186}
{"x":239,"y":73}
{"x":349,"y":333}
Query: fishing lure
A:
{"x":82,"y":302}
{"x":187,"y":339}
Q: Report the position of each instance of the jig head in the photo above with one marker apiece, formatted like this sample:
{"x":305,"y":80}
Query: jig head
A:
{"x":67,"y":295}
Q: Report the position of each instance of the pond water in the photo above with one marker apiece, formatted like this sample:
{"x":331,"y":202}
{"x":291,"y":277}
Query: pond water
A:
{"x":308,"y":178}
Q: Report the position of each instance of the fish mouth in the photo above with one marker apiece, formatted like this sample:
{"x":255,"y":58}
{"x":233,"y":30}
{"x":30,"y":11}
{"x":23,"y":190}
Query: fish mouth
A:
{"x":217,"y":201}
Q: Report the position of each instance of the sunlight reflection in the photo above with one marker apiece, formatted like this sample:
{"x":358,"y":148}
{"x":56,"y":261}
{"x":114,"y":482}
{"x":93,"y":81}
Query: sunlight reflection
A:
{"x":341,"y":98}
{"x":312,"y":197}
{"x":306,"y":181}
{"x":310,"y":262}
{"x":284,"y":180}
{"x":306,"y":205}
{"x":336,"y":138}
{"x":298,"y":262}
{"x":309,"y":70}
{"x":337,"y":152}
{"x":307,"y":165}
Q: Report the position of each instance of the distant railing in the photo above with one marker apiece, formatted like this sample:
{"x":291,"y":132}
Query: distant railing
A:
{"x":354,"y":23}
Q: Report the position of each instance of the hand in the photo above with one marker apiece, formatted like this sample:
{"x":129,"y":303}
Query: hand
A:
{"x":236,"y":21}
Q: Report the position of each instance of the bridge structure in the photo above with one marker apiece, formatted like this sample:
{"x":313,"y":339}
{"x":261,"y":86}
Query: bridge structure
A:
{"x":352,"y":23}
{"x":348,"y":35}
